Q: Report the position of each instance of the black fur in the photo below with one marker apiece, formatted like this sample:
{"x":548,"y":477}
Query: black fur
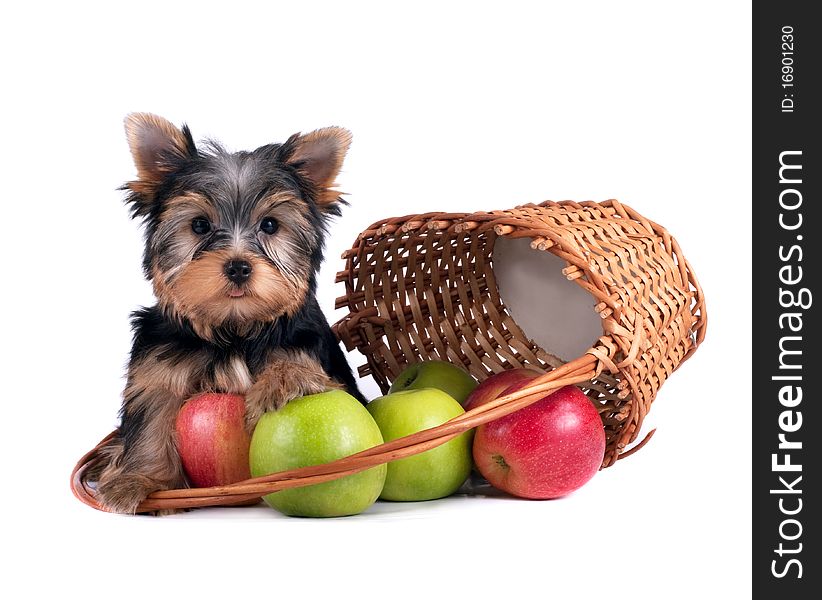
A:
{"x":307,"y":330}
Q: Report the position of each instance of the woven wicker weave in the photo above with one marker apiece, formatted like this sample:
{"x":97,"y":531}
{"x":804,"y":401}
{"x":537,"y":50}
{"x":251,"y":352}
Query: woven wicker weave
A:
{"x":423,"y":286}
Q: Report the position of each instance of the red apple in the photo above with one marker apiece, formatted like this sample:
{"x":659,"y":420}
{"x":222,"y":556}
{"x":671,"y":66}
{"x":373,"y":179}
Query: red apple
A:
{"x":493,"y":386}
{"x":545,"y":450}
{"x":212,"y":440}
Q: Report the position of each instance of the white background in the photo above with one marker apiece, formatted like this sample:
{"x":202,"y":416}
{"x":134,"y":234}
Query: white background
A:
{"x":458,"y":107}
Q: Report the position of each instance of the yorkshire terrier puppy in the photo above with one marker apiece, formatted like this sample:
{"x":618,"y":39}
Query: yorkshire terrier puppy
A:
{"x":234,"y":242}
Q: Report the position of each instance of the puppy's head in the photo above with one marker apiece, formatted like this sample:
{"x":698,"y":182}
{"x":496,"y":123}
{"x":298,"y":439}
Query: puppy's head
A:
{"x":232,"y":239}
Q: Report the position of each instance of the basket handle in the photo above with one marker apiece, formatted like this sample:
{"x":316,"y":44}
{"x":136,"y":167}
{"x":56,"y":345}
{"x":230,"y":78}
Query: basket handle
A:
{"x":577,"y":371}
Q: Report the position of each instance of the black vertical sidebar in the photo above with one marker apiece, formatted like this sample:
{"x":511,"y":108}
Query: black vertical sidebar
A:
{"x":787,"y":428}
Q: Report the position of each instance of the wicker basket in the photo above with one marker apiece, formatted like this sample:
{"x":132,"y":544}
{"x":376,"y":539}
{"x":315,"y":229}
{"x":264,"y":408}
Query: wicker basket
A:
{"x":423,"y":286}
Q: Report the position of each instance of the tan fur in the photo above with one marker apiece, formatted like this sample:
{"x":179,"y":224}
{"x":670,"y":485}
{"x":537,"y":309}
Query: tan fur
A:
{"x":141,"y":187}
{"x":179,"y":378}
{"x":278,"y":201}
{"x":148,"y":135}
{"x":290,"y":212}
{"x":289,"y":375}
{"x":322,"y":153}
{"x":232,"y":378}
{"x":191,"y":203}
{"x":157,"y":387}
{"x":151,"y":464}
{"x":200,"y":293}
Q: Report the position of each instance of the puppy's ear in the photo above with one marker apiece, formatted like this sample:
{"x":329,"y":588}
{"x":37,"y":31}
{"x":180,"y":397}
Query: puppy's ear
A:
{"x":319,"y":156}
{"x":158,"y":148}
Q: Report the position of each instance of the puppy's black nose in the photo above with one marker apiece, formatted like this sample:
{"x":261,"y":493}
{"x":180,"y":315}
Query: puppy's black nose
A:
{"x":237,"y":271}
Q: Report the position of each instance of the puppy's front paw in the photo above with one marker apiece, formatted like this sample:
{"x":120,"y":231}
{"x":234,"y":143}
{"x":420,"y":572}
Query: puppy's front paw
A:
{"x":281,"y":383}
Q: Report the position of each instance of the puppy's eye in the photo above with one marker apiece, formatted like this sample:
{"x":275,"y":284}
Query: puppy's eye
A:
{"x":269,"y":225}
{"x":200,"y":225}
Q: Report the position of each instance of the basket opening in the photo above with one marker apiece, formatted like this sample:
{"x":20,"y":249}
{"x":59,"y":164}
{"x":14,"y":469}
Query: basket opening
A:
{"x":555,"y":313}
{"x":555,"y":317}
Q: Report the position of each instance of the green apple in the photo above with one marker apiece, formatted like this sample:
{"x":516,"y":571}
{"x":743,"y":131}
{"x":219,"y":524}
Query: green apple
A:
{"x":439,"y":374}
{"x":309,"y":431}
{"x":435,"y":473}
